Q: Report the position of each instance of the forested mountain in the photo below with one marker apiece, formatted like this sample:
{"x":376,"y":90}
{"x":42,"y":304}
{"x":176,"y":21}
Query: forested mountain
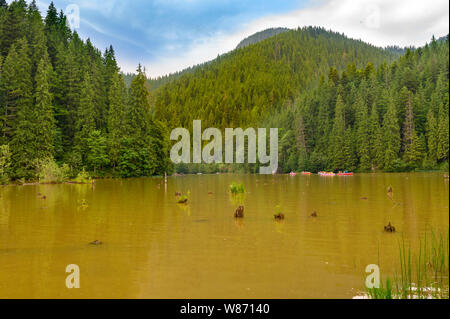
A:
{"x":340,"y":104}
{"x":61,"y":98}
{"x":261,"y":35}
{"x":243,"y":86}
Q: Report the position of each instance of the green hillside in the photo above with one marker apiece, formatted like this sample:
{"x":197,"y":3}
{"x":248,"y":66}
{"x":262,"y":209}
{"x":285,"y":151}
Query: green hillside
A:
{"x":243,"y":86}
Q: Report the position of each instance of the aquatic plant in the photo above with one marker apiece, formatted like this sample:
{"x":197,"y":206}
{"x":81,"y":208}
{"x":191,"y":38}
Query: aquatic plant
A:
{"x":183,"y":199}
{"x":278,"y":213}
{"x":237,"y":188}
{"x":423,"y":274}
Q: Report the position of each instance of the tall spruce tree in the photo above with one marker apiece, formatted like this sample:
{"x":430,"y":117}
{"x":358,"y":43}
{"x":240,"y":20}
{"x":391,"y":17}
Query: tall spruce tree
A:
{"x":432,"y":137}
{"x":137,"y":156}
{"x":391,"y":137}
{"x":43,"y":111}
{"x":117,"y":124}
{"x":363,"y":135}
{"x":85,"y":118}
{"x":338,"y":135}
{"x":23,"y":147}
{"x":443,"y":135}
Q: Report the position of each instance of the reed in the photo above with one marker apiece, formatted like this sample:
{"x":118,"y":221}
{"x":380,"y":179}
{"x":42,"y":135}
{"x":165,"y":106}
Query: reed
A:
{"x":422,"y":274}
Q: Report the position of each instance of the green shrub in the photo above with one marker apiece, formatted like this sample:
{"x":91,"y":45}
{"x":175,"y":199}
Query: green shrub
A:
{"x":5,"y":162}
{"x":83,"y":177}
{"x":48,"y":171}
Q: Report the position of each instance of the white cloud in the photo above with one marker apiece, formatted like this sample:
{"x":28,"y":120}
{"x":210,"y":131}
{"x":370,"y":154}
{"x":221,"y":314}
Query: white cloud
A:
{"x":380,"y":22}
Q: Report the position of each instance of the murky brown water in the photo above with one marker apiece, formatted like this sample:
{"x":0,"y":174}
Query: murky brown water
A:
{"x":155,"y":248}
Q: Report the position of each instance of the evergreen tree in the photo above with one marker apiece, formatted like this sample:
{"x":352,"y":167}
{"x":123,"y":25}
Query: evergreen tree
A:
{"x":23,"y":147}
{"x":432,"y":137}
{"x":43,"y":109}
{"x":442,"y":135}
{"x":97,"y":156}
{"x":117,"y":129}
{"x":338,"y":149}
{"x":85,"y":120}
{"x":363,"y":135}
{"x":13,"y":25}
{"x":391,"y":137}
{"x":375,"y":137}
{"x":137,"y":156}
{"x":36,"y":36}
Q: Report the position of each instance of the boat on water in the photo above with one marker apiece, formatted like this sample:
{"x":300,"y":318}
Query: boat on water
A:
{"x":345,"y":174}
{"x":292,"y":173}
{"x":306,"y":173}
{"x":327,"y":174}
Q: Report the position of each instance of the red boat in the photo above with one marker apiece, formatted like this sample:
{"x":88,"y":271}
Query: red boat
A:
{"x":345,"y":174}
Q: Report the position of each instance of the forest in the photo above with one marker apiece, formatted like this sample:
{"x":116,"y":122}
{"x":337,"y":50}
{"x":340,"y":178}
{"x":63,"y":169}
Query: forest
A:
{"x":64,"y":106}
{"x":340,"y":104}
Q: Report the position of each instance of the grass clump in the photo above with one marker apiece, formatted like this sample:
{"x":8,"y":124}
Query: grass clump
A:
{"x":237,"y":188}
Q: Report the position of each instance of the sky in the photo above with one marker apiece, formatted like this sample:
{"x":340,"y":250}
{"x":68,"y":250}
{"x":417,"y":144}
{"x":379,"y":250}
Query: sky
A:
{"x":169,"y":35}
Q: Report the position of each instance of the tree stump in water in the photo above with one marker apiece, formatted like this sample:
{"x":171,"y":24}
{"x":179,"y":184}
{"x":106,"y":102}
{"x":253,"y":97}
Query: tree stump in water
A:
{"x":239,"y":213}
{"x":389,"y":228}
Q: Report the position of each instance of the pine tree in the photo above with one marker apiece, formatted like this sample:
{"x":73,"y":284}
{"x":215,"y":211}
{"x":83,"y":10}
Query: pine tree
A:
{"x":66,"y":90}
{"x":409,"y":130}
{"x":117,"y":129}
{"x":137,"y":157}
{"x":23,"y":147}
{"x":43,"y":109}
{"x":432,"y":137}
{"x":85,"y":119}
{"x":391,"y":137}
{"x":374,"y":137}
{"x":15,"y":86}
{"x":36,"y":36}
{"x":97,"y":155}
{"x":13,"y":26}
{"x":442,"y":135}
{"x":415,"y":152}
{"x":363,"y":134}
{"x":338,"y":150}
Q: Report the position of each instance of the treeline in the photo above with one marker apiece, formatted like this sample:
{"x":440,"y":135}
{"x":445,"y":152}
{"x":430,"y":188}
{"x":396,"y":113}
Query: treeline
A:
{"x":62,"y":99}
{"x":391,"y":118}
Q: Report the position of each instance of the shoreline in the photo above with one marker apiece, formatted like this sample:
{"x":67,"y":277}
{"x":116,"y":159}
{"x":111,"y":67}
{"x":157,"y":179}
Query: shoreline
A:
{"x":92,"y":182}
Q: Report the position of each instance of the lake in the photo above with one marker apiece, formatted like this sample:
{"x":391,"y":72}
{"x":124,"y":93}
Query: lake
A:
{"x":155,"y":248}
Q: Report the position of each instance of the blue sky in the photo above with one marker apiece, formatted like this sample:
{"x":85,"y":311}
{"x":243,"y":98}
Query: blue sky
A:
{"x":169,"y":35}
